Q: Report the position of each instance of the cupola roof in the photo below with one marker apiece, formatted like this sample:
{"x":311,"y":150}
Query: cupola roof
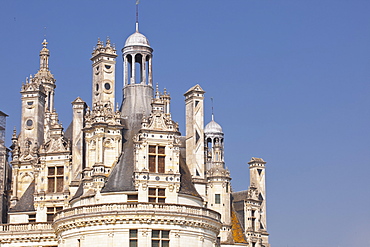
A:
{"x":213,"y":127}
{"x":137,"y":39}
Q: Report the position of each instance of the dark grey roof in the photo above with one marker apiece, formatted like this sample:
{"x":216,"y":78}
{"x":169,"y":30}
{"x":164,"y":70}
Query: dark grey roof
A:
{"x":25,"y":204}
{"x":79,"y":192}
{"x":186,"y":185}
{"x":239,"y":196}
{"x":69,"y":131}
{"x":121,"y":177}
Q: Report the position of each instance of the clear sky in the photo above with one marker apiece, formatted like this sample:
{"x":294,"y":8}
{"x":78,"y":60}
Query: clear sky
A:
{"x":290,"y":82}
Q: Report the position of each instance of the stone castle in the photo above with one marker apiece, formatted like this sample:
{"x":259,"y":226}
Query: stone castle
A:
{"x":122,"y":175}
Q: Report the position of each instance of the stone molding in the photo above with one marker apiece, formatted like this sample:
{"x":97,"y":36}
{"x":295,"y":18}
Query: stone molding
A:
{"x":27,"y":232}
{"x":136,"y":213}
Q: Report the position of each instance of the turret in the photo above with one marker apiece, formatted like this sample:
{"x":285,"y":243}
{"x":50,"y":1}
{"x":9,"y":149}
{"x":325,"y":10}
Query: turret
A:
{"x":218,"y":178}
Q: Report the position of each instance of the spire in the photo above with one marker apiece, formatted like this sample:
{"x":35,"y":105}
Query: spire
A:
{"x":137,"y":15}
{"x":44,"y":56}
{"x":212,"y":109}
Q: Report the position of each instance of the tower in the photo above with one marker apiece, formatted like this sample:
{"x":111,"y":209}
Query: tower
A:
{"x":102,"y":126}
{"x":195,"y":136}
{"x":104,"y":72}
{"x":37,"y":97}
{"x":256,"y":205}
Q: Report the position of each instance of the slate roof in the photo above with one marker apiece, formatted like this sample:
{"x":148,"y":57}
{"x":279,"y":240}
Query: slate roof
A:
{"x":186,"y":184}
{"x":25,"y":203}
{"x":69,"y":131}
{"x":121,"y":177}
{"x":79,"y":192}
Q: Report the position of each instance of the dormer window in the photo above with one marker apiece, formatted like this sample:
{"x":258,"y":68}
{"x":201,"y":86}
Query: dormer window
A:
{"x":157,"y":159}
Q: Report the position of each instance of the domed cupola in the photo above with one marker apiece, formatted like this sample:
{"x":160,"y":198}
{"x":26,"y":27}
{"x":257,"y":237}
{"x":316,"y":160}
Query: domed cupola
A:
{"x":214,"y":141}
{"x":137,"y":55}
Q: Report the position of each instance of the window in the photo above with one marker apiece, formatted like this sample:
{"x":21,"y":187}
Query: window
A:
{"x":157,"y":195}
{"x":29,"y":122}
{"x":156,"y":159}
{"x":133,"y":238}
{"x":50,"y":211}
{"x":107,"y":86}
{"x":132,"y":198}
{"x":217,"y":199}
{"x":31,"y":218}
{"x":160,"y":238}
{"x":55,"y":179}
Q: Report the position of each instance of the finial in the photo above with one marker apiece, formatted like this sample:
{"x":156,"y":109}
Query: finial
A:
{"x":165,"y":91}
{"x":212,"y":109}
{"x":99,"y":44}
{"x":44,"y":43}
{"x":156,"y":91}
{"x":27,"y":80}
{"x":108,"y":42}
{"x":14,"y":136}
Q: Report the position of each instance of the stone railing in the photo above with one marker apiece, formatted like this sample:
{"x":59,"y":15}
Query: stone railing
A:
{"x":25,"y":227}
{"x":138,"y":208}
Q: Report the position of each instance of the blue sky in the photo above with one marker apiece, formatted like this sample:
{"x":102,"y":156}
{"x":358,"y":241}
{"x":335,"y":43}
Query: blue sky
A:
{"x":290,"y":82}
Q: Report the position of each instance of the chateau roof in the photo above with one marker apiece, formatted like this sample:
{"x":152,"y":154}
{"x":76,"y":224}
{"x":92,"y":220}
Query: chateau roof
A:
{"x":237,"y":229}
{"x":186,"y":184}
{"x":121,"y":177}
{"x":26,"y":202}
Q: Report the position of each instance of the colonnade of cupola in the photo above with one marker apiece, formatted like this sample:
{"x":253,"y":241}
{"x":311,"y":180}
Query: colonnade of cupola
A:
{"x":137,"y":58}
{"x":138,"y":69}
{"x":215,"y":146}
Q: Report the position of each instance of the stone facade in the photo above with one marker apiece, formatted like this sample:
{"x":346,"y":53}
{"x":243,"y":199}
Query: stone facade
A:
{"x":124,"y":175}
